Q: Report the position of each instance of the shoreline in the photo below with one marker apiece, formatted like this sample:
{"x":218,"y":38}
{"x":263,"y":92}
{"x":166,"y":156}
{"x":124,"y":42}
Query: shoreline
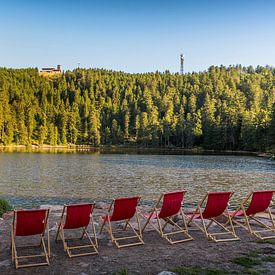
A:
{"x":126,"y":149}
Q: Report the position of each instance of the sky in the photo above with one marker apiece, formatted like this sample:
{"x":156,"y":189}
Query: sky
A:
{"x":136,"y":36}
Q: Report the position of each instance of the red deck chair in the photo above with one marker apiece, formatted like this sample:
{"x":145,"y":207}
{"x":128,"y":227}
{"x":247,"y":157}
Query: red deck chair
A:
{"x":171,"y":206}
{"x":123,"y":209}
{"x":260,"y":202}
{"x":216,"y":206}
{"x":30,"y":223}
{"x":77,"y":216}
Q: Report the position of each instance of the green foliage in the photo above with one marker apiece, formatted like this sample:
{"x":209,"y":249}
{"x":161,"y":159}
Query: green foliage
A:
{"x":121,"y":272}
{"x":269,"y":241}
{"x":247,"y":261}
{"x":4,"y":207}
{"x":222,"y":108}
{"x":270,"y":259}
{"x":199,"y":271}
{"x":252,"y":262}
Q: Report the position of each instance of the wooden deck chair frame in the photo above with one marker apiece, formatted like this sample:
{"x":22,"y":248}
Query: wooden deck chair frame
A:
{"x":246,"y":223}
{"x":93,"y":244}
{"x":45,"y":252}
{"x":168,"y":220}
{"x":116,"y":240}
{"x":205,"y":228}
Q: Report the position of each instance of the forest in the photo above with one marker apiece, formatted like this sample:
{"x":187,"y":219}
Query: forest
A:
{"x":222,"y":108}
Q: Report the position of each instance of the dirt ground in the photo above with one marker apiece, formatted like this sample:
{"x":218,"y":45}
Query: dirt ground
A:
{"x":154,"y":256}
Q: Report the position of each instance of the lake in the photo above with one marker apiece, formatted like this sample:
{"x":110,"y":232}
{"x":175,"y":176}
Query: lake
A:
{"x":30,"y":179}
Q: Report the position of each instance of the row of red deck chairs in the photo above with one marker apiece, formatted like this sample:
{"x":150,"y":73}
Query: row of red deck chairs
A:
{"x":168,"y":212}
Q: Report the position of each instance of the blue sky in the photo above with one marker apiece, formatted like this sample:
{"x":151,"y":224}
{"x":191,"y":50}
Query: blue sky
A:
{"x":136,"y":36}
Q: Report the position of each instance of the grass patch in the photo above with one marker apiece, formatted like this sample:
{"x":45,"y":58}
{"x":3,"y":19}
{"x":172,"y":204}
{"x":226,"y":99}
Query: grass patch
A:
{"x":253,"y":254}
{"x":267,"y":241}
{"x":4,"y":207}
{"x":270,"y":259}
{"x":199,"y":271}
{"x":248,"y":271}
{"x":247,"y":261}
{"x":121,"y":272}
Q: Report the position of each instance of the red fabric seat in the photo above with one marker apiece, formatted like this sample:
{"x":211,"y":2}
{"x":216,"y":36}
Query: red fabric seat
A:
{"x":171,"y":204}
{"x":78,"y":215}
{"x":124,"y":209}
{"x":216,"y":204}
{"x":30,"y":222}
{"x":260,"y":202}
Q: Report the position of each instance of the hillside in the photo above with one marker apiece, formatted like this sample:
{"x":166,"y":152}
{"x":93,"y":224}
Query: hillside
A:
{"x":223,"y":108}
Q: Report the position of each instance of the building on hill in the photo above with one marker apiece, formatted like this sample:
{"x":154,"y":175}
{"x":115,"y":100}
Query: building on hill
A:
{"x":47,"y":71}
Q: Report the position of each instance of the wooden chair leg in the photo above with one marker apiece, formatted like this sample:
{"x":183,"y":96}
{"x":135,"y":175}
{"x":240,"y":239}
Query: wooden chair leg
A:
{"x":63,"y":239}
{"x":160,"y":227}
{"x":12,"y":249}
{"x":45,"y":251}
{"x":83,"y":233}
{"x":91,"y":242}
{"x":203,"y":224}
{"x":111,"y":231}
{"x":57,"y":232}
{"x":49,"y":240}
{"x":231,"y":225}
{"x":94,"y":231}
{"x":184,"y":220}
{"x":271,"y":217}
{"x":211,"y":222}
{"x":148,"y":219}
{"x":102,"y":226}
{"x":166,"y":222}
{"x":126,"y":224}
{"x":138,"y":222}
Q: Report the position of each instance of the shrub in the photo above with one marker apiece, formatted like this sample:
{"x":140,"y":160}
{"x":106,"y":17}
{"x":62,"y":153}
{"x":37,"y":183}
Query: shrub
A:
{"x":4,"y":207}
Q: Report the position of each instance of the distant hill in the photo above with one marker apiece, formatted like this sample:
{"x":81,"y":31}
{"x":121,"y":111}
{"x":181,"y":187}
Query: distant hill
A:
{"x":223,"y":108}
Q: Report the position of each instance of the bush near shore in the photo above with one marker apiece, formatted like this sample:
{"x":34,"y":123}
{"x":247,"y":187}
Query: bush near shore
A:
{"x":4,"y":207}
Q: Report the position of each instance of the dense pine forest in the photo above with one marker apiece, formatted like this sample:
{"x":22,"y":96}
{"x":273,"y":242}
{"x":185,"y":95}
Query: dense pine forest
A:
{"x":223,"y":108}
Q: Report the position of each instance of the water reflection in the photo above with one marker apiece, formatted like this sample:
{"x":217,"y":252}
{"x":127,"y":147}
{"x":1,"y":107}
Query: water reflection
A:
{"x":29,"y":179}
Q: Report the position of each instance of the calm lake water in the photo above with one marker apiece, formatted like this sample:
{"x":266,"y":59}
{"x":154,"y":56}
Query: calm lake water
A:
{"x":30,"y":179}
